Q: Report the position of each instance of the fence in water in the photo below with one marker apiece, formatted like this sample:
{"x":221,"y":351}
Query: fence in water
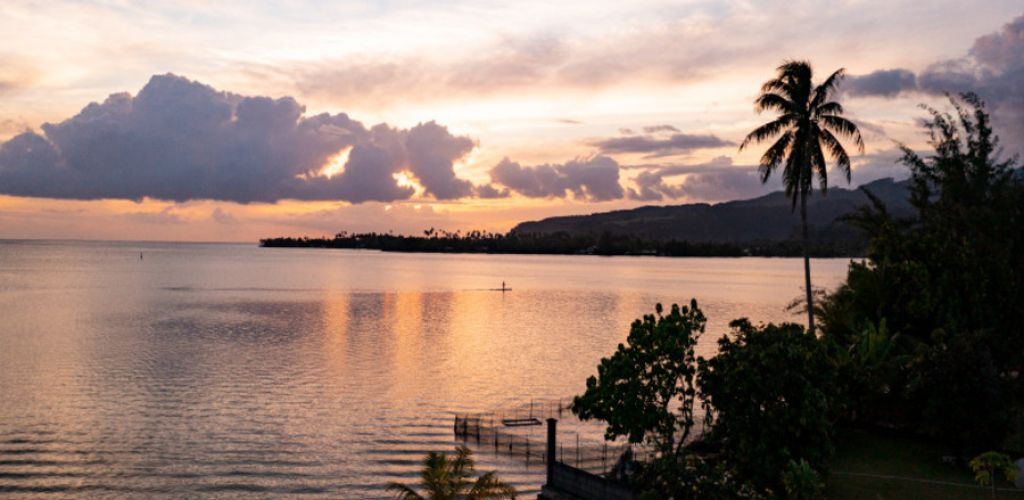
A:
{"x":520,"y":432}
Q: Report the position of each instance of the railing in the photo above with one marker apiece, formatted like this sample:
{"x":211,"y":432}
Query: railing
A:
{"x":519,"y":432}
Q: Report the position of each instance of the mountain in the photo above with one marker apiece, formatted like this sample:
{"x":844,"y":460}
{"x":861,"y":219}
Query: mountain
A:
{"x":769,"y":218}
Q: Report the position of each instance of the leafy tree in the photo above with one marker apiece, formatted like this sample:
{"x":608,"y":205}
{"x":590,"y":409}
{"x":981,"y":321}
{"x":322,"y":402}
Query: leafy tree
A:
{"x":802,"y":482}
{"x":810,"y":124}
{"x":768,"y":390}
{"x":947,"y":281}
{"x":444,"y":478}
{"x":990,"y":466}
{"x":645,"y":390}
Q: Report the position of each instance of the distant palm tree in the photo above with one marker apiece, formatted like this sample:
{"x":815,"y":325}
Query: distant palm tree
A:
{"x":450,"y":479}
{"x":808,"y":125}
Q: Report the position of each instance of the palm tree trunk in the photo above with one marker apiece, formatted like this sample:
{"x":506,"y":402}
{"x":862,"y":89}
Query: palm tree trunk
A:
{"x":807,"y":265}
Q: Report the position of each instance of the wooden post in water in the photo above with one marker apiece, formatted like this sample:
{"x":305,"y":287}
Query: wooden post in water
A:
{"x":577,"y":449}
{"x":552,"y":426}
{"x":604,"y":458}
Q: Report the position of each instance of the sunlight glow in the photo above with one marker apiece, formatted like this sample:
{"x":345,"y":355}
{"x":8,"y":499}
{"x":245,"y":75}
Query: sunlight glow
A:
{"x":336,"y":163}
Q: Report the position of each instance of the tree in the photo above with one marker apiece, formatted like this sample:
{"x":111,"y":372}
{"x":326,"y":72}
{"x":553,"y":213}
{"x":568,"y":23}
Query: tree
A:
{"x":946,"y":281}
{"x":990,"y":466}
{"x":645,"y":390}
{"x":768,"y":391}
{"x":810,"y":124}
{"x":443,"y":478}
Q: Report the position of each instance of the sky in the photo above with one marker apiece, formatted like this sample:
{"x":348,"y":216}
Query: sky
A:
{"x":235,"y":120}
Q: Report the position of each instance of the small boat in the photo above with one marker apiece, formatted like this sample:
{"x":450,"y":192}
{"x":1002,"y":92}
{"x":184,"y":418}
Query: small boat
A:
{"x":520,"y":422}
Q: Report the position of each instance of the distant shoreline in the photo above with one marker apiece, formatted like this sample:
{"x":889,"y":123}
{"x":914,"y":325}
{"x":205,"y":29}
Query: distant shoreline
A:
{"x":565,"y":244}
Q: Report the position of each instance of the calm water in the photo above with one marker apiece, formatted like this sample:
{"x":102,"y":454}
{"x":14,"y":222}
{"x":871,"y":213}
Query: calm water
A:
{"x":230,"y":370}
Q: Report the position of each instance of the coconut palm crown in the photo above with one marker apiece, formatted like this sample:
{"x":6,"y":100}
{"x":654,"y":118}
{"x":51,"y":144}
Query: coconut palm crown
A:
{"x":444,"y":478}
{"x":805,"y":134}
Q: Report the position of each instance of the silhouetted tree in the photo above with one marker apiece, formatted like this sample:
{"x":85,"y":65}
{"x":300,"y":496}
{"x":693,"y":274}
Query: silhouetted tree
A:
{"x":443,"y":478}
{"x":768,"y":391}
{"x":645,"y":390}
{"x":947,"y":285}
{"x":807,"y":127}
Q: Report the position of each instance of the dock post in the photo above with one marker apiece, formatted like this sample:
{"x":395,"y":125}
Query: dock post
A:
{"x":552,"y":426}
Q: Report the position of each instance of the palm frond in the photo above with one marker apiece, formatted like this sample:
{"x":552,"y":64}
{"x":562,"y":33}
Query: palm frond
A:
{"x":827,"y":88}
{"x":489,"y":486}
{"x":767,"y":131}
{"x":818,"y":166}
{"x":844,"y":128}
{"x":774,"y":102}
{"x":403,"y":492}
{"x":838,"y":152}
{"x":829,"y":108}
{"x":774,"y":156}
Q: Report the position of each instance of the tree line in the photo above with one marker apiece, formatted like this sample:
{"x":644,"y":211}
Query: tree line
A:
{"x":565,"y":243}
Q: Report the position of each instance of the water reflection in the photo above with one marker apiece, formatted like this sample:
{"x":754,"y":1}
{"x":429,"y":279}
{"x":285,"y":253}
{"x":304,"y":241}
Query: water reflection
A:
{"x":230,"y":370}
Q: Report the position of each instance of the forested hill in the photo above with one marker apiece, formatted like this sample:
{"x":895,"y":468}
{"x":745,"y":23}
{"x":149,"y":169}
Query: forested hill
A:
{"x":769,"y":218}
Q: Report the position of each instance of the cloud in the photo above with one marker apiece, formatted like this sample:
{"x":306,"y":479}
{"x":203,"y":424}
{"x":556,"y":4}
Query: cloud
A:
{"x":659,"y":140}
{"x":654,"y":129}
{"x":697,"y":183}
{"x":993,"y":68}
{"x":163,"y":217}
{"x":885,"y":82}
{"x":595,"y":178}
{"x":222,"y":216}
{"x":181,"y":140}
{"x":488,"y":191}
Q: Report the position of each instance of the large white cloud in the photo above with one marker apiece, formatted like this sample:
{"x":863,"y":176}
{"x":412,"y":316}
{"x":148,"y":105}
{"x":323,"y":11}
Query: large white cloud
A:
{"x":181,"y":140}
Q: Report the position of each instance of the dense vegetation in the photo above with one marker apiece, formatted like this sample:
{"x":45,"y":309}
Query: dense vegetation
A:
{"x":924,"y":339}
{"x":565,"y":243}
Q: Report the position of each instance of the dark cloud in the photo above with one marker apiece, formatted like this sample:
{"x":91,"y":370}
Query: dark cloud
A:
{"x":595,"y":178}
{"x":721,"y":180}
{"x":698,"y":183}
{"x":654,"y":129}
{"x":656,"y":142}
{"x":993,"y":68}
{"x":488,"y":191}
{"x":884,"y":82}
{"x":181,"y":140}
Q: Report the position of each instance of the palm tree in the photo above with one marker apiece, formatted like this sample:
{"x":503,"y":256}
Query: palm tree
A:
{"x":450,"y":479}
{"x":807,"y":127}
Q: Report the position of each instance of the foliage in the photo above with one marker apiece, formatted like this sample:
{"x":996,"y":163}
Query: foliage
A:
{"x":831,"y":243}
{"x":694,"y":477}
{"x":991,"y":465}
{"x":444,"y":478}
{"x":802,"y":482}
{"x":768,"y":390}
{"x":645,"y":390}
{"x":957,"y":390}
{"x":808,"y":126}
{"x":947,"y":283}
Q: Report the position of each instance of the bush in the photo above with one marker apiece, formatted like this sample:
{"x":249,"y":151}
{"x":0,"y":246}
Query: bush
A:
{"x":768,"y":390}
{"x":802,"y":482}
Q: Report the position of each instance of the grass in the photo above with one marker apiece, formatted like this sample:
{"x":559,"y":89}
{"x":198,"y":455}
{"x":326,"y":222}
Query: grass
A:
{"x":877,"y":467}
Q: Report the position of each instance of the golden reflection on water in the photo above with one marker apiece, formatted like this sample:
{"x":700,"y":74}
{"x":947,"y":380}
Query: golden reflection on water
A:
{"x":227,"y":370}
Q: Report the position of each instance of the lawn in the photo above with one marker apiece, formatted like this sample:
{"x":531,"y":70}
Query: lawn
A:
{"x":873,"y":466}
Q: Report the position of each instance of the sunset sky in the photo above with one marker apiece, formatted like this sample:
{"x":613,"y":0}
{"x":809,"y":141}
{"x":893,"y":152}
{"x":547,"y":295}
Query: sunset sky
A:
{"x":235,"y":120}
